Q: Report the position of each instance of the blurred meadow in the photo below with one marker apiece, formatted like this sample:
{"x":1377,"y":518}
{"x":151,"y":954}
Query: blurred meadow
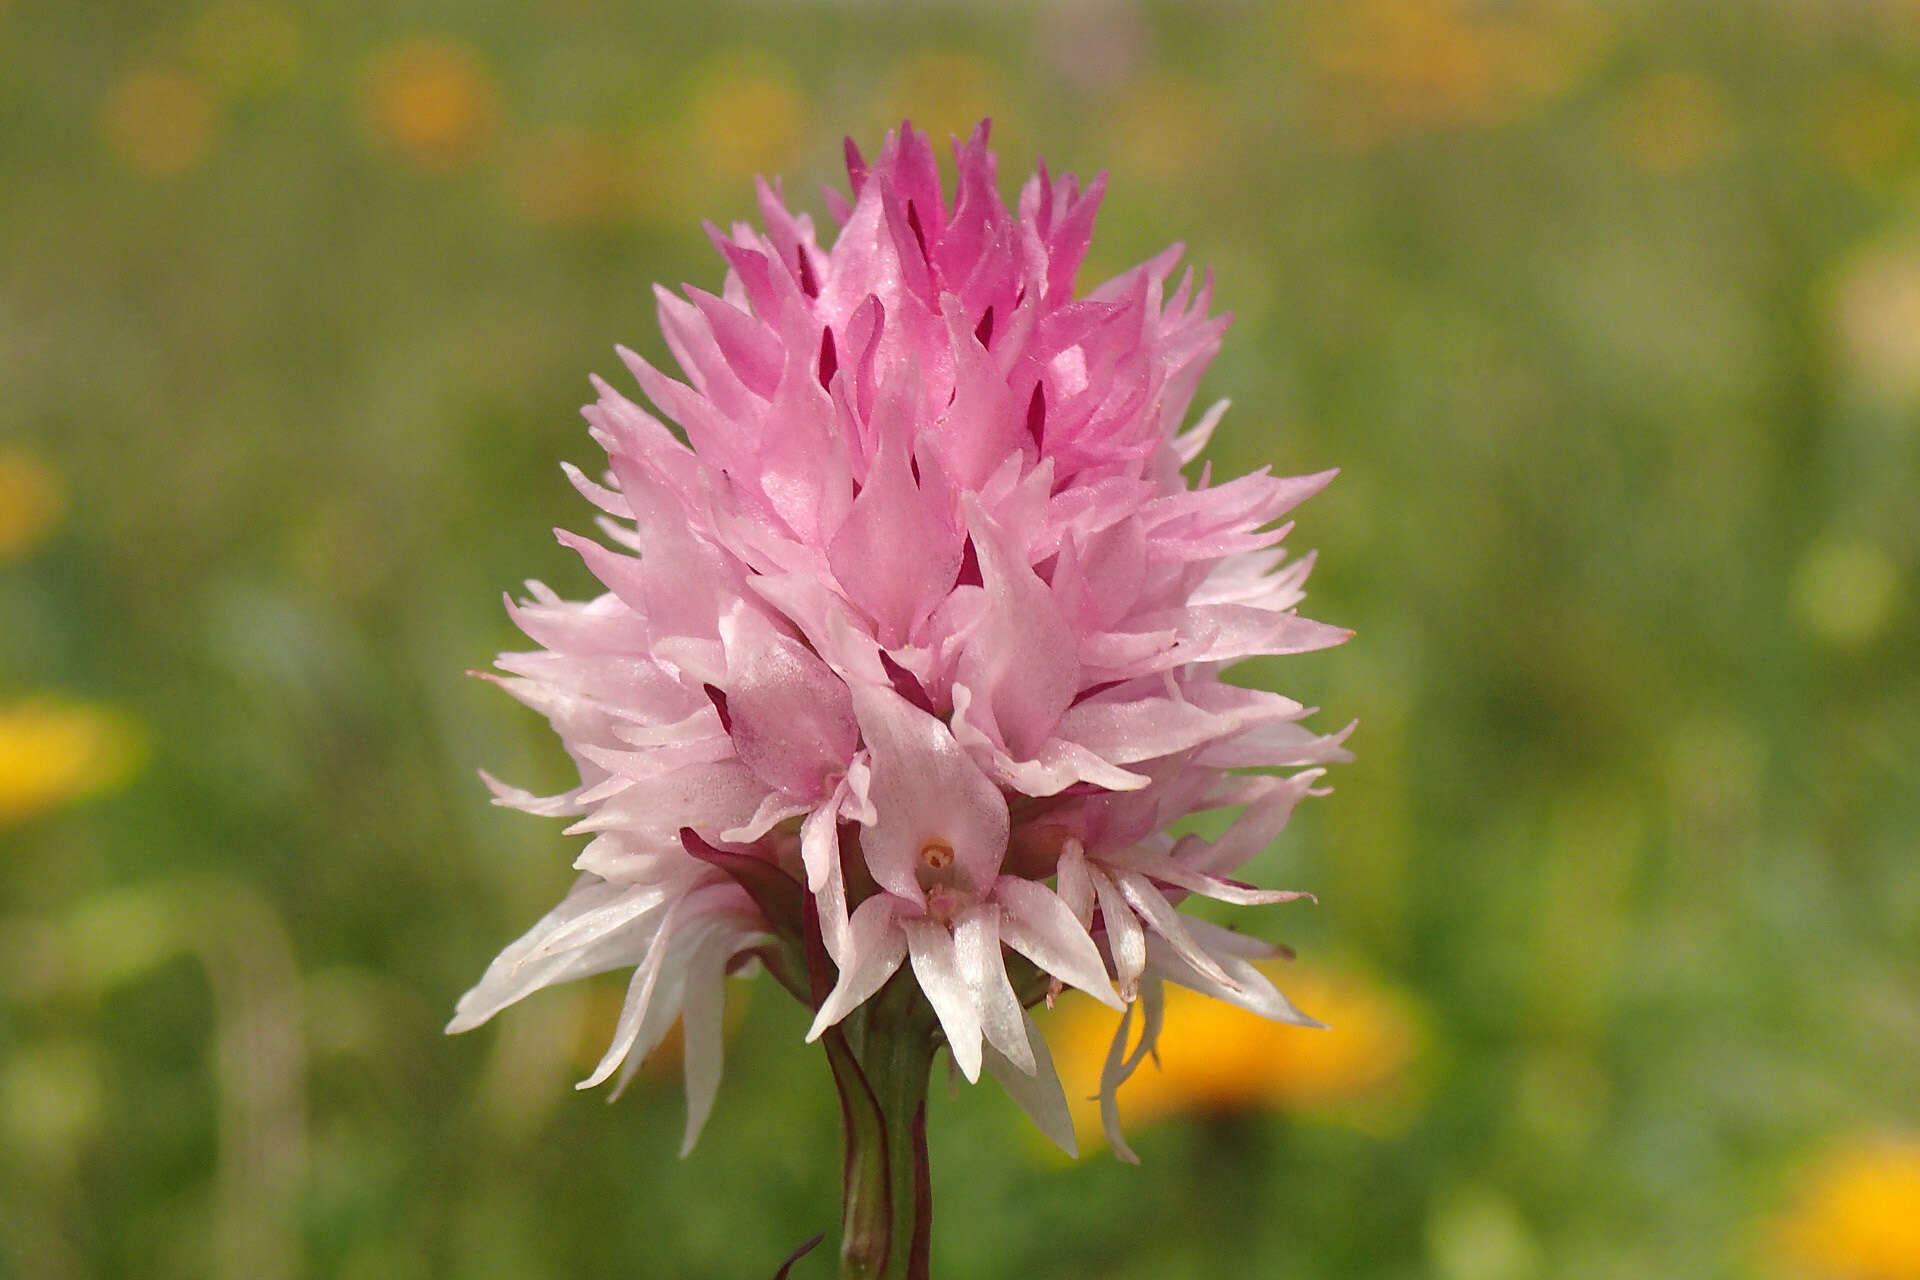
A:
{"x":1609,"y":313}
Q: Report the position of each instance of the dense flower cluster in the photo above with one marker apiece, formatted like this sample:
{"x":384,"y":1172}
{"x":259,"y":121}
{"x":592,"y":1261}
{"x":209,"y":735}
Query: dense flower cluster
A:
{"x":924,"y":613}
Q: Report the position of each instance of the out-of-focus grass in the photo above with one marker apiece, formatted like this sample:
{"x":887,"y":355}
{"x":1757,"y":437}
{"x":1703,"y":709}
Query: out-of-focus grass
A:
{"x":1609,"y":313}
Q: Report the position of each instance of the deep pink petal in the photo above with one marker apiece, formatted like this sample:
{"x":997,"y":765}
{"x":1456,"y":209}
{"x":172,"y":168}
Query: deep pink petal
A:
{"x":869,"y":555}
{"x":1020,"y":662}
{"x":792,"y":718}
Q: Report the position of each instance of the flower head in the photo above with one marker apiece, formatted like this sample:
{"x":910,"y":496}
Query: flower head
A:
{"x":923,"y":636}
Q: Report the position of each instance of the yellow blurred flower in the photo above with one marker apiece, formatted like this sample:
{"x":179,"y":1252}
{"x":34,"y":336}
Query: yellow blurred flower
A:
{"x":1391,"y":68}
{"x":1857,"y":1214}
{"x":53,"y":752}
{"x":159,"y":122}
{"x":1671,"y":122}
{"x":32,"y":499}
{"x":746,"y":113}
{"x":431,"y":101}
{"x":1875,"y":317}
{"x":1218,"y":1058}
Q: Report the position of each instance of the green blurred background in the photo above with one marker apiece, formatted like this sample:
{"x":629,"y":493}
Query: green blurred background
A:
{"x":1609,"y":313}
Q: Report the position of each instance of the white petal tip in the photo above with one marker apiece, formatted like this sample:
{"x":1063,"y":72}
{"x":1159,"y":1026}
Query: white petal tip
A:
{"x":599,"y":1077}
{"x":970,"y":1068}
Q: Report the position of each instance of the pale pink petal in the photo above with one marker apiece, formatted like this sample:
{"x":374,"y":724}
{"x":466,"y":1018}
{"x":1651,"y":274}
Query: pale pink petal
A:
{"x":1279,"y":745}
{"x":937,"y":968}
{"x":702,"y":1030}
{"x":983,"y":424}
{"x":1075,"y":882}
{"x":1039,"y":926}
{"x":1227,"y":633}
{"x":1180,"y":876}
{"x":637,"y":1033}
{"x":876,"y":945}
{"x":1258,"y":825}
{"x":1189,"y":443}
{"x":820,"y":858}
{"x":706,"y":797}
{"x":1126,"y":940}
{"x":1249,"y":988}
{"x":791,"y":718}
{"x":533,"y":962}
{"x":976,"y":944}
{"x":1160,"y":916}
{"x":775,"y":809}
{"x":564,"y":805}
{"x":1124,"y":731}
{"x":1058,"y":764}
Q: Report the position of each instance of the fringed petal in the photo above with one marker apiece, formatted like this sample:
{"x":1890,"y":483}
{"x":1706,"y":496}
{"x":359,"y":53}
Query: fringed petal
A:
{"x":1250,"y":989}
{"x":534,"y":962}
{"x":1160,"y":916}
{"x":702,"y":1025}
{"x":1120,"y":1064}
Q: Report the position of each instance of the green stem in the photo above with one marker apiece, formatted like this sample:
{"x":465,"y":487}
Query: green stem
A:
{"x":881,"y":1058}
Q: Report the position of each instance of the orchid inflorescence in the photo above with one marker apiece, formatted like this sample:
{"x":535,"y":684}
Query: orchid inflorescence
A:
{"x":910,"y":651}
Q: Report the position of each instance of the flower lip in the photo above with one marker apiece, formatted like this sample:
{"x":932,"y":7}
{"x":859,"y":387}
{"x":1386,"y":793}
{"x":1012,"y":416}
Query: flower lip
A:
{"x":944,"y":902}
{"x":929,"y":797}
